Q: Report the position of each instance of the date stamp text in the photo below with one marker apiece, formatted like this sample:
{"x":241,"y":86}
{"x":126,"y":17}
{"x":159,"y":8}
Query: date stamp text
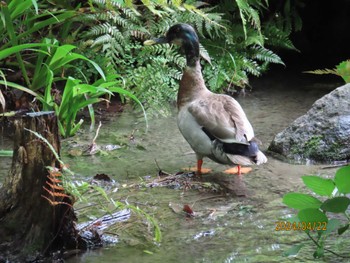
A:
{"x":300,"y":226}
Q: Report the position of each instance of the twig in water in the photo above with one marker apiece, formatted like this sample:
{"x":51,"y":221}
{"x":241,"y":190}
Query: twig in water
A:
{"x":97,"y":132}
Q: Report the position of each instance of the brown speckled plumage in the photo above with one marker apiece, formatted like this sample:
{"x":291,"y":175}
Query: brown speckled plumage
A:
{"x":214,"y":125}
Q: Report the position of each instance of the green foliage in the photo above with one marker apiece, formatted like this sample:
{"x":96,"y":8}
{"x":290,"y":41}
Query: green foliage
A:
{"x":47,"y":65}
{"x":6,"y":153}
{"x":342,"y":70}
{"x":315,"y":216}
{"x":15,"y":30}
{"x":77,"y":95}
{"x":77,"y":190}
{"x":231,"y":33}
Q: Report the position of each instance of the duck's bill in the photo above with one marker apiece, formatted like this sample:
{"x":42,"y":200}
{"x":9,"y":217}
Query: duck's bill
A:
{"x":155,"y":41}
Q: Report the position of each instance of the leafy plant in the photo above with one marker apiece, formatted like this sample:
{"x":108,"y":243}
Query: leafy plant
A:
{"x":48,"y":65}
{"x":20,"y":21}
{"x":317,"y":215}
{"x":6,"y":153}
{"x":77,"y":190}
{"x":342,"y":70}
{"x":77,"y":95}
{"x":231,"y":32}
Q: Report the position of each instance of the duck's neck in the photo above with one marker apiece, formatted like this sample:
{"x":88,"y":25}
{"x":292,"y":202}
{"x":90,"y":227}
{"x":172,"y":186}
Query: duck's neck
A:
{"x":192,"y":85}
{"x":190,"y":45}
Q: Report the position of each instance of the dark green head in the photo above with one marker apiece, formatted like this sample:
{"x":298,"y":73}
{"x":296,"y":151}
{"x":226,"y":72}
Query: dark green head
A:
{"x":183,"y":35}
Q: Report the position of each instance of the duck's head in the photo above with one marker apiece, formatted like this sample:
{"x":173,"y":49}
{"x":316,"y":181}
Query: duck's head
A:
{"x":184,"y":36}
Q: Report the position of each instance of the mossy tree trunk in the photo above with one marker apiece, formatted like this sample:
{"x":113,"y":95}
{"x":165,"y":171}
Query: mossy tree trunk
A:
{"x":30,"y":226}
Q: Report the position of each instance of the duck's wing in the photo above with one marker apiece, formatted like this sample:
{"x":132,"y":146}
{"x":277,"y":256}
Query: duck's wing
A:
{"x":222,"y":117}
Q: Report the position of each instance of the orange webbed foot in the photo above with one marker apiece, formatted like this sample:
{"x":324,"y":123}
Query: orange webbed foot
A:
{"x":238,"y":170}
{"x":199,"y":169}
{"x":194,"y":169}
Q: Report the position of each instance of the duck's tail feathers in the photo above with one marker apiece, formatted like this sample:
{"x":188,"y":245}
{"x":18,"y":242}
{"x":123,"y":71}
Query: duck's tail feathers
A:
{"x":240,"y":159}
{"x":260,"y":158}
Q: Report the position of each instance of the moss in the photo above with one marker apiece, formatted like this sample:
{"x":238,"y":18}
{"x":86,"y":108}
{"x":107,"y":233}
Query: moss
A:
{"x":318,"y":148}
{"x":313,"y":145}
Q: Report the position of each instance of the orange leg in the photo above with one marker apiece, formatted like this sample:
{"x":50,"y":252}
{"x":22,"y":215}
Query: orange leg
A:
{"x":199,"y":168}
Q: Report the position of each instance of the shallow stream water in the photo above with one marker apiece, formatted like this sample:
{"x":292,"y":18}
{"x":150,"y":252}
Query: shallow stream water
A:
{"x":225,"y":228}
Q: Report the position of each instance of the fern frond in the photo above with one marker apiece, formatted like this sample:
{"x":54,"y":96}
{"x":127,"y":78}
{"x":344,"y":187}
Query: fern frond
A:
{"x":322,"y":71}
{"x":248,"y":13}
{"x":252,"y":67}
{"x":107,"y":3}
{"x":264,"y":54}
{"x":204,"y":53}
{"x":102,"y":40}
{"x":278,"y":38}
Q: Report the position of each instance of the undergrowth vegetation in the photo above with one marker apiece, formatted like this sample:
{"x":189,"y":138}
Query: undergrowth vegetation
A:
{"x":232,"y":34}
{"x":321,"y":214}
{"x":238,"y":39}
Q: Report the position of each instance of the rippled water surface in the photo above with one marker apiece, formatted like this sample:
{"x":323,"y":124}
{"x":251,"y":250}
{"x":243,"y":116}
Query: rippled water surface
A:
{"x":226,"y":228}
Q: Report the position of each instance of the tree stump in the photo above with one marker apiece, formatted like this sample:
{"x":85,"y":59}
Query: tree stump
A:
{"x":31,"y":226}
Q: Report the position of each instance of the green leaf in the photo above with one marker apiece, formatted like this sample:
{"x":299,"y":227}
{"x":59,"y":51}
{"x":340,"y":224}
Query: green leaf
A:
{"x":293,"y":251}
{"x":291,"y":219}
{"x":41,"y":22}
{"x":343,"y":70}
{"x":319,"y":253}
{"x":6,"y":153}
{"x":17,"y":8}
{"x":19,"y":87}
{"x":313,"y":216}
{"x":318,"y":185}
{"x":61,"y":53}
{"x":342,"y":179}
{"x":332,"y":225}
{"x":12,"y":50}
{"x":343,"y":229}
{"x":337,"y":204}
{"x":301,"y":201}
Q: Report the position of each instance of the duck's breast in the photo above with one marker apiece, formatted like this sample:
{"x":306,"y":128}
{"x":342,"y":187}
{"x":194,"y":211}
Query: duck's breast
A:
{"x":193,"y":133}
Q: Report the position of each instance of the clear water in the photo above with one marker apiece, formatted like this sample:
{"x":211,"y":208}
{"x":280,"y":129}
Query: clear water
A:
{"x":225,"y":228}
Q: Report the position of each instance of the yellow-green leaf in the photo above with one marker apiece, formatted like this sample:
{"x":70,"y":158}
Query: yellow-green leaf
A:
{"x":318,"y":185}
{"x":301,"y":201}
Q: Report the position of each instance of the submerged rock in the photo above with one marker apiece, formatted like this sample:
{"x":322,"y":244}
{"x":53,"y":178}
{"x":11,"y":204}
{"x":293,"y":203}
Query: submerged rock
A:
{"x":322,"y":134}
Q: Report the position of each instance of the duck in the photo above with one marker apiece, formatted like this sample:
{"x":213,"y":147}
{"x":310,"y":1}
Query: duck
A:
{"x":214,"y":125}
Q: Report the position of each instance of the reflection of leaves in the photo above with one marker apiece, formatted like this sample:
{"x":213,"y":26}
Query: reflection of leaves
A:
{"x":140,"y":147}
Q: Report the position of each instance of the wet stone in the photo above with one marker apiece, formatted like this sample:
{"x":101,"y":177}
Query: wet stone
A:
{"x":322,"y":134}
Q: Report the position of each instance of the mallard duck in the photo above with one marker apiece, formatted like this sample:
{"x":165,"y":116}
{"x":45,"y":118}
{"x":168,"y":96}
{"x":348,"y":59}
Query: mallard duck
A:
{"x":214,"y":125}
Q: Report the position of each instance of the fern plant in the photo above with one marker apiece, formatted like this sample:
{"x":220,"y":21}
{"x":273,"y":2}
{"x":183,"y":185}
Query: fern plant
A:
{"x":232,"y":35}
{"x":342,"y":70}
